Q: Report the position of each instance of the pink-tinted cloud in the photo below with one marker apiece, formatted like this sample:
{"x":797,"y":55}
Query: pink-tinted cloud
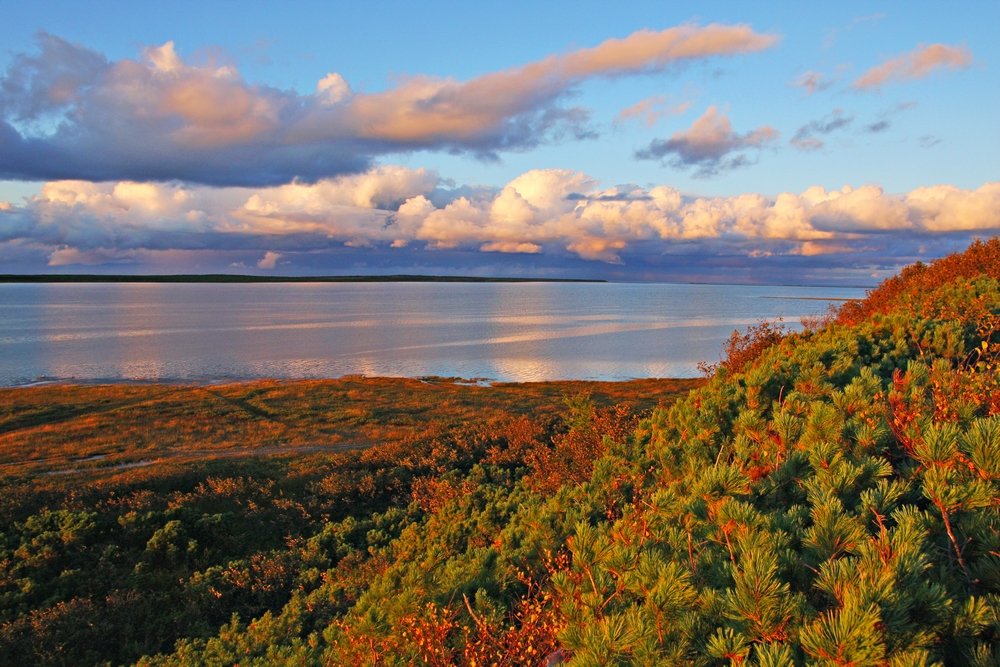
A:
{"x":510,"y":246}
{"x":945,"y":208}
{"x":269,"y":260}
{"x":709,"y":145}
{"x":651,"y":109}
{"x":917,"y":64}
{"x":68,"y":113}
{"x":811,"y":82}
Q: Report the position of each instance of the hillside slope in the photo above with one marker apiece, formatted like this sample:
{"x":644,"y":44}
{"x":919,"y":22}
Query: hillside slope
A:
{"x":835,"y":503}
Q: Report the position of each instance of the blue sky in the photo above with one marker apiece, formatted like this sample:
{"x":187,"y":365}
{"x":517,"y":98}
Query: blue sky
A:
{"x":723,"y":129}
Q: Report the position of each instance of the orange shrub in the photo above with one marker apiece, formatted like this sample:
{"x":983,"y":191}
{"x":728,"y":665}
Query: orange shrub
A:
{"x":981,"y":257}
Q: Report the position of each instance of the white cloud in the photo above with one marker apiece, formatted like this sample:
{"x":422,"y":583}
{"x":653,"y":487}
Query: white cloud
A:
{"x":383,"y":187}
{"x":945,"y":208}
{"x":333,"y":89}
{"x":543,"y":212}
{"x":269,"y":260}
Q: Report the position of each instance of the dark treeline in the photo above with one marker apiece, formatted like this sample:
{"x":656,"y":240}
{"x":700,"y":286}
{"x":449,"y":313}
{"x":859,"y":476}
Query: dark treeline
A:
{"x":827,"y":498}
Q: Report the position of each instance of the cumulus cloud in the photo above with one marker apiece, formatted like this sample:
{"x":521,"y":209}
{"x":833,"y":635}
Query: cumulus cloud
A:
{"x":945,"y":208}
{"x":333,"y":89}
{"x":269,"y":260}
{"x":651,"y":109}
{"x":708,"y":145}
{"x":915,"y":65}
{"x":385,"y":187}
{"x":552,"y":215}
{"x":66,"y":112}
{"x":805,"y":137}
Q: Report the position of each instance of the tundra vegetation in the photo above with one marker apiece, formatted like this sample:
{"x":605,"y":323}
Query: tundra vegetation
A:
{"x":136,"y":515}
{"x":827,"y":497}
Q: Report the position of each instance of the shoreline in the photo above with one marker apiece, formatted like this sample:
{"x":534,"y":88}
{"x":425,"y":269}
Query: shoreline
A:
{"x":221,"y":382}
{"x":236,"y":279}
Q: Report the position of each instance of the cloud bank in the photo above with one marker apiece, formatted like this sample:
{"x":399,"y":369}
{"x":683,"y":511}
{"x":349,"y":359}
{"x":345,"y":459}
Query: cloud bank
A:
{"x":555,"y":215}
{"x":66,"y":112}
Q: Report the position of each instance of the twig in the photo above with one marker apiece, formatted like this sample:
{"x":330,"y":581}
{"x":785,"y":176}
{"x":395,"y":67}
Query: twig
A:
{"x":482,"y":626}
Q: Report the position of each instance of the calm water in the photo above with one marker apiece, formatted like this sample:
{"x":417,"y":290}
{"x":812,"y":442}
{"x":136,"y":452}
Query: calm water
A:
{"x":523,"y":332}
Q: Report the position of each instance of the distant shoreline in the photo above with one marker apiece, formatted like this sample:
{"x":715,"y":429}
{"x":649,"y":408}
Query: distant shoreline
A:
{"x":41,"y":278}
{"x":809,"y":298}
{"x":43,"y":381}
{"x":232,"y":278}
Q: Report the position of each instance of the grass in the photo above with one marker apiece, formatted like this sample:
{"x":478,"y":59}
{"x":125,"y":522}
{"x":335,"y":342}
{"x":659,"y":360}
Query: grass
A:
{"x":54,"y":428}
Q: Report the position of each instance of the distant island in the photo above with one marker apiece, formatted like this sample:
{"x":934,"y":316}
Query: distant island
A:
{"x":232,"y":278}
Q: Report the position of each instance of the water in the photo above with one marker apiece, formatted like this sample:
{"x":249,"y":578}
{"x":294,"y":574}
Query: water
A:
{"x":507,"y":332}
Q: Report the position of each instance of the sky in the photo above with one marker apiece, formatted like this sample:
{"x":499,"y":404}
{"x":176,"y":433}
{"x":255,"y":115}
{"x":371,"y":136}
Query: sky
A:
{"x":639,"y":141}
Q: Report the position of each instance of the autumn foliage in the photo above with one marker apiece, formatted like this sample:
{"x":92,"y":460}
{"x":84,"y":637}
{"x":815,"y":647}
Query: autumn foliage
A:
{"x":103,"y":562}
{"x":981,"y":258}
{"x":743,"y":347}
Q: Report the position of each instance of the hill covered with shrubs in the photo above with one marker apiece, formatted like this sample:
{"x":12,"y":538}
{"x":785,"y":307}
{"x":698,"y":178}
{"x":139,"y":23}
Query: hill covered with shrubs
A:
{"x":828,"y":498}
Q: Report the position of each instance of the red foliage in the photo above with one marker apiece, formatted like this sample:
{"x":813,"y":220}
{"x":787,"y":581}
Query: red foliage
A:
{"x":902,"y":413}
{"x":441,"y":637}
{"x":431,"y":492}
{"x":980,"y":258}
{"x":745,"y":347}
{"x":572,"y":456}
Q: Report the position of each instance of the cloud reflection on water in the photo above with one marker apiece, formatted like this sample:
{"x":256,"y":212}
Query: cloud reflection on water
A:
{"x":538,"y":331}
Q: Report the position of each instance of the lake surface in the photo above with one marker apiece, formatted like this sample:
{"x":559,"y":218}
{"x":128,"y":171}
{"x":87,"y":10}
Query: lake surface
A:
{"x":507,"y":332}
